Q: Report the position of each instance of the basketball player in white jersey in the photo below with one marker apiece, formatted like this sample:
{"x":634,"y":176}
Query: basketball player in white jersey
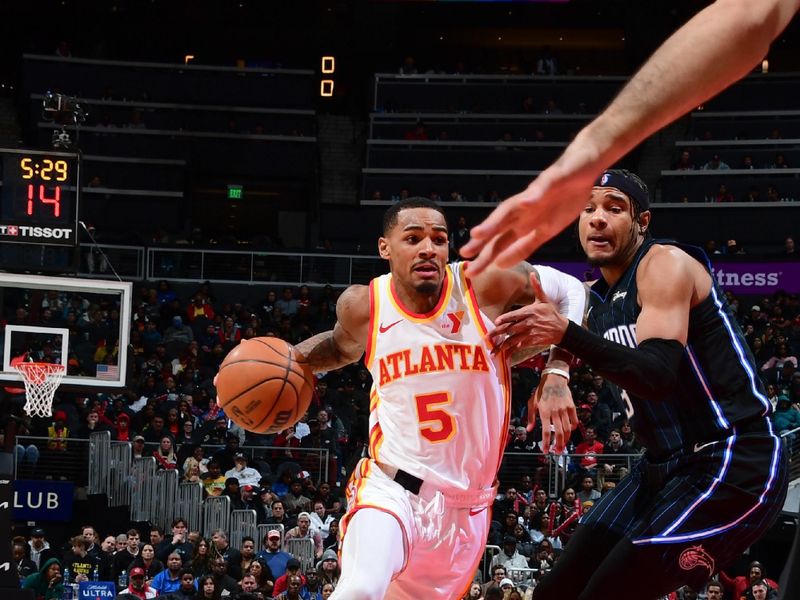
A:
{"x":418,"y":517}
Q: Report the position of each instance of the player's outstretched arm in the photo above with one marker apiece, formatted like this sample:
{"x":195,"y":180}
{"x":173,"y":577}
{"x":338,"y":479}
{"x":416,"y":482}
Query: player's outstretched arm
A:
{"x":502,"y":289}
{"x":667,"y":279}
{"x":345,"y":343}
{"x":718,"y":46}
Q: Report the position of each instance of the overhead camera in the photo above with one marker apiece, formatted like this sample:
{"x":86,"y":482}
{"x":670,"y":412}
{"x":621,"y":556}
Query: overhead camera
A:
{"x":62,"y":108}
{"x":61,"y":139}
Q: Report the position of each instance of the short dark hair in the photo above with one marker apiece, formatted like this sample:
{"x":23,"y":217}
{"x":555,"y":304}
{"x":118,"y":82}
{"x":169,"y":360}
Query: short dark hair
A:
{"x":390,"y":216}
{"x":715,"y":584}
{"x":185,"y":571}
{"x":493,"y":593}
{"x":158,"y":529}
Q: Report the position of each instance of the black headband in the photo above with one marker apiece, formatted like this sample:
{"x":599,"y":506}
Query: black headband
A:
{"x":626,"y":185}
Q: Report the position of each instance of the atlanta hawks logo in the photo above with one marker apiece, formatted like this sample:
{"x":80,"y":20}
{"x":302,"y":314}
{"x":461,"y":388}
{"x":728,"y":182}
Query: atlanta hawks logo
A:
{"x":696,"y":556}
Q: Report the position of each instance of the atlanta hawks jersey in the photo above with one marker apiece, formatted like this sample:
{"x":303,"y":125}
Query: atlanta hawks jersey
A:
{"x":439,"y":405}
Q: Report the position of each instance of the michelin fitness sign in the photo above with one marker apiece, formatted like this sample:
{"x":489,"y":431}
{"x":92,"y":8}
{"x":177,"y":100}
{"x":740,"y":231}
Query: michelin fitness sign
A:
{"x":749,"y":278}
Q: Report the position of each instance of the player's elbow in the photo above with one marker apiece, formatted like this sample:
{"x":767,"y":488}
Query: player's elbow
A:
{"x":758,"y":22}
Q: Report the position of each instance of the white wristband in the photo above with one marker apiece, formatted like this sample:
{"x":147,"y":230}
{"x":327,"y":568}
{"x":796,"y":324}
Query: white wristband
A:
{"x":555,"y":371}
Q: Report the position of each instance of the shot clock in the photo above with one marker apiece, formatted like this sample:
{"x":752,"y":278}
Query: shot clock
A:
{"x":39,"y":197}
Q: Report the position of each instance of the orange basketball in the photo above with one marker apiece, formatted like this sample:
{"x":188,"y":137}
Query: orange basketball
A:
{"x":264,"y":385}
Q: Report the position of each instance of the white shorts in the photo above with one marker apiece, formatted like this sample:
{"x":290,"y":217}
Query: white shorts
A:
{"x":444,"y":533}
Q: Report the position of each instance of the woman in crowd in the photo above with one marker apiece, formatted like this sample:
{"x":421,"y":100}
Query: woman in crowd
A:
{"x":192,"y":475}
{"x":207,"y":589}
{"x":165,"y":454}
{"x":328,"y":567}
{"x":327,"y":590}
{"x":263,"y":574}
{"x":201,"y":559}
{"x":147,"y":560}
{"x":248,"y":552}
{"x":474,"y":592}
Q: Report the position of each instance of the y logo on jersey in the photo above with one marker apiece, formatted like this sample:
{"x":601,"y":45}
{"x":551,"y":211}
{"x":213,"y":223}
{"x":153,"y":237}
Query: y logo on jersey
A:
{"x":455,"y":319}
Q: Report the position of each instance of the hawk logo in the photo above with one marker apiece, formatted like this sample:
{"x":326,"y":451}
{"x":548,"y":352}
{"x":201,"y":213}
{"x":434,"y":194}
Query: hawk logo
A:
{"x":604,"y":179}
{"x":618,"y":296}
{"x":696,"y":556}
{"x":455,"y":319}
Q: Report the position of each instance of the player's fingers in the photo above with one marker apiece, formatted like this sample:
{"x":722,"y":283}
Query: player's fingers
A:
{"x":546,"y":433}
{"x":489,"y":252}
{"x":538,"y":291}
{"x":491,"y":227}
{"x":520,"y":249}
{"x":533,"y":402}
{"x":558,"y":433}
{"x":573,"y":418}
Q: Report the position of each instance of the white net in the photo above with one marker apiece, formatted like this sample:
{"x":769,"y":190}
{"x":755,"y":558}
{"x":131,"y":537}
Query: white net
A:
{"x":41,"y":382}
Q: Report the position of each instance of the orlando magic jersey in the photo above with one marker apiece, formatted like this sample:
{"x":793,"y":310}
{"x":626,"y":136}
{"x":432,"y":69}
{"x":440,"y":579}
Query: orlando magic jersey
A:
{"x":717,"y":384}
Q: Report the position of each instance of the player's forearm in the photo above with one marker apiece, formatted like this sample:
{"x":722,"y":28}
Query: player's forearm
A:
{"x":649,"y":371}
{"x":718,"y":46}
{"x":323,"y":353}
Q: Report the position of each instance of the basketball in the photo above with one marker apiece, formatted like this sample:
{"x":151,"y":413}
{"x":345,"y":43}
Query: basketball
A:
{"x":264,"y":385}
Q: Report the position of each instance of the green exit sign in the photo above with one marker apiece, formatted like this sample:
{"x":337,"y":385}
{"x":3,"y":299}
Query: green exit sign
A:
{"x":235,"y":192}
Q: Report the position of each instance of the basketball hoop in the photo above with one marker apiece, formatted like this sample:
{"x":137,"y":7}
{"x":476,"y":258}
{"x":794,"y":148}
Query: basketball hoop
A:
{"x":41,"y":381}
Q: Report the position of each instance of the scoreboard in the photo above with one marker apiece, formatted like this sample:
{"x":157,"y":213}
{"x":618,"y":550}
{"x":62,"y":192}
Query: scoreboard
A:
{"x":40,"y":191}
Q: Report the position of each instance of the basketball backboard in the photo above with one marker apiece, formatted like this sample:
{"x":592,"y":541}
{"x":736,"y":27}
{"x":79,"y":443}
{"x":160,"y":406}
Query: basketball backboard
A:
{"x":83,"y":324}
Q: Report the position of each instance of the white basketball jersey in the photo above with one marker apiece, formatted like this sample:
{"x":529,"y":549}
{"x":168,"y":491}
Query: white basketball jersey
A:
{"x":440,"y":401}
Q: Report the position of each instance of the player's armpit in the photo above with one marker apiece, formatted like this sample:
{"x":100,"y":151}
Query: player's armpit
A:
{"x":345,"y":343}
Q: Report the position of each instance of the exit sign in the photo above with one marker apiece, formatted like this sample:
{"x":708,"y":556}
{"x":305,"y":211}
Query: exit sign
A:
{"x":235,"y":192}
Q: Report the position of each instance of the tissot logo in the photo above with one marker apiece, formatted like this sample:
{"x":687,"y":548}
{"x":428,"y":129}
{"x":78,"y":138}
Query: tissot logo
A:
{"x":55,"y":233}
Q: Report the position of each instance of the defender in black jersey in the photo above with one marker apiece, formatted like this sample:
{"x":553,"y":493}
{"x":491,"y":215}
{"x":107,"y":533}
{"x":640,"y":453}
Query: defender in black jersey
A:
{"x":713,"y":477}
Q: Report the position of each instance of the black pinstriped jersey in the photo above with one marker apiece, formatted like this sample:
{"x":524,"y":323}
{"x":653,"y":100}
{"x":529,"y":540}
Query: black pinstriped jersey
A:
{"x":718,"y":385}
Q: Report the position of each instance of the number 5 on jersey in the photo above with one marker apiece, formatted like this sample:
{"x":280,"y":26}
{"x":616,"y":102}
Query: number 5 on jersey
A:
{"x":436,"y":425}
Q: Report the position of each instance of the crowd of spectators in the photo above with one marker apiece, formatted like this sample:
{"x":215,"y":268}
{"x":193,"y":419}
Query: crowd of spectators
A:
{"x":179,"y":565}
{"x":168,"y":412}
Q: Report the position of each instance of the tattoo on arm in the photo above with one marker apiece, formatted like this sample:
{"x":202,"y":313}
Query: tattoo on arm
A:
{"x":524,"y":354}
{"x":322,"y":353}
{"x":552,"y":391}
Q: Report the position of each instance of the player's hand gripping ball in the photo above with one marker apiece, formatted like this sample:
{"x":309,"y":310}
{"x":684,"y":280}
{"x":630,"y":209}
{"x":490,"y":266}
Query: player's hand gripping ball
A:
{"x":264,"y":385}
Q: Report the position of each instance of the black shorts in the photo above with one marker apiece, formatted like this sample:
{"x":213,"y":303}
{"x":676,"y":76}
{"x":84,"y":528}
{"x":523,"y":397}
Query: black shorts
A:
{"x":678,"y":522}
